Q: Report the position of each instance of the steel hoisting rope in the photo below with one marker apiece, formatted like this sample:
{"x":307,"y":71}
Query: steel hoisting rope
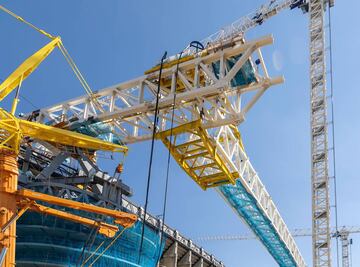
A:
{"x":27,"y":23}
{"x":151,"y":155}
{"x":65,"y":53}
{"x":169,"y":156}
{"x":87,"y":243}
{"x":78,"y":74}
{"x":99,"y":246}
{"x":333,"y":135}
{"x":111,"y":243}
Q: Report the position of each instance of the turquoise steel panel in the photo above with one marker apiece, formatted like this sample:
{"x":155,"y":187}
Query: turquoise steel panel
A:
{"x":245,"y":205}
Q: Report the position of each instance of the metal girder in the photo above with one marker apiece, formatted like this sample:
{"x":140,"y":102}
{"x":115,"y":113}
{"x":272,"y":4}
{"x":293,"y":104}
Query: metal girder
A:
{"x":195,"y":152}
{"x":131,"y":104}
{"x":219,"y":160}
{"x":319,"y":142}
{"x":344,"y":236}
{"x":238,"y":28}
{"x":122,"y":218}
{"x":105,"y":229}
{"x":251,"y":201}
{"x":207,"y":90}
{"x":295,"y":233}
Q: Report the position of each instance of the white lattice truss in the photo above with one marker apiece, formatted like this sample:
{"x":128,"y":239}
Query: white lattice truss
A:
{"x":200,"y":94}
{"x":130,"y":105}
{"x":231,"y":150}
{"x":319,"y":143}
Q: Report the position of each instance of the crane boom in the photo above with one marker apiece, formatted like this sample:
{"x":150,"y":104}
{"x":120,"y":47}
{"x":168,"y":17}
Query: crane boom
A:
{"x":218,"y":88}
{"x":302,"y":232}
{"x":207,"y":90}
{"x":239,"y":27}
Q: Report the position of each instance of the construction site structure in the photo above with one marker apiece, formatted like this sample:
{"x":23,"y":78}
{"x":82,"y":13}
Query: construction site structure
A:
{"x":342,"y":233}
{"x":39,"y":236}
{"x":14,"y":132}
{"x":209,"y":103}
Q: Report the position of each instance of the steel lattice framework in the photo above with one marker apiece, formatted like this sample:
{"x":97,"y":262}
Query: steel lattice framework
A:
{"x":207,"y":89}
{"x":319,"y":142}
{"x":204,"y":94}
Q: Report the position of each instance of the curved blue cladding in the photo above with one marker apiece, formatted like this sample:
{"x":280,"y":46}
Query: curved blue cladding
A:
{"x":245,"y":205}
{"x":50,"y":241}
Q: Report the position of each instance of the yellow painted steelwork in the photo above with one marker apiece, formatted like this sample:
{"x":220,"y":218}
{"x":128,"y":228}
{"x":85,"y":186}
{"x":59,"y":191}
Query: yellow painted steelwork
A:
{"x":197,"y":156}
{"x":14,"y":203}
{"x":175,"y":62}
{"x":26,"y":68}
{"x":105,"y":229}
{"x":13,"y":129}
{"x":8,"y":208}
{"x":122,"y":218}
{"x":65,"y":137}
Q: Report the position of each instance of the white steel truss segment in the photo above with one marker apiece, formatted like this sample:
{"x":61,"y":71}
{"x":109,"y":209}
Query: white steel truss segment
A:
{"x":229,"y":146}
{"x":202,"y":91}
{"x":305,"y":232}
{"x":319,"y":143}
{"x":239,"y":27}
{"x":224,"y":160}
{"x":345,"y":243}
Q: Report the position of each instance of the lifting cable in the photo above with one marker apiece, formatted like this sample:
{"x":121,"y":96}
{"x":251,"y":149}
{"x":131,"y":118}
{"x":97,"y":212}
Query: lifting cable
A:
{"x":27,"y":23}
{"x":70,"y":61}
{"x":168,"y":157}
{"x":103,"y":252}
{"x":333,"y":133}
{"x":87,"y":244}
{"x":151,"y":155}
{"x":65,"y":53}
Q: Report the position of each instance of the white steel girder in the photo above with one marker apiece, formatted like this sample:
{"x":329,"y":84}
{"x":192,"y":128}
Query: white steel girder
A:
{"x":201,"y":93}
{"x":130,"y":105}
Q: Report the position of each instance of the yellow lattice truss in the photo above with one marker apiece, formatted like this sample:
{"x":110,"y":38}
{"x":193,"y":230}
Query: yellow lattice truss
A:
{"x":195,"y":151}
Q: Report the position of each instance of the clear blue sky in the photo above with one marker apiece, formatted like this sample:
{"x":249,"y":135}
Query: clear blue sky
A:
{"x":113,"y":41}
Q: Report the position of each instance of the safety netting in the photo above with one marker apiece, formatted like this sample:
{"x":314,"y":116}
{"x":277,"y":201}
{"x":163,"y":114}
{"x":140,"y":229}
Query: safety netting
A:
{"x":49,"y":241}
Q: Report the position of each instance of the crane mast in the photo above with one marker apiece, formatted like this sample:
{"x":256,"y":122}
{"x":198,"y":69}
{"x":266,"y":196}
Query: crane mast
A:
{"x":319,"y":138}
{"x":318,"y":102}
{"x":342,"y":233}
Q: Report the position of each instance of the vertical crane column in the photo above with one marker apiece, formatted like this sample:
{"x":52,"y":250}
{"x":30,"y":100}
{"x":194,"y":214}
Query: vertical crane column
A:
{"x":8,"y":209}
{"x":319,"y":145}
{"x":345,"y":248}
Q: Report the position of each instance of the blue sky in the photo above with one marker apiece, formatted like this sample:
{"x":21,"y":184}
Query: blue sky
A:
{"x":113,"y":41}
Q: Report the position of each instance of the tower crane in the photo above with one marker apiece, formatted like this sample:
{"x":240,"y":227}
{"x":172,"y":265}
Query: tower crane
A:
{"x":209,"y":105}
{"x":342,"y":233}
{"x":208,"y":108}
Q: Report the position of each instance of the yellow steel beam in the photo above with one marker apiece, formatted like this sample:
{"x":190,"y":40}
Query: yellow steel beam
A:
{"x":13,"y":129}
{"x":122,"y":218}
{"x":183,"y":164}
{"x":103,"y":228}
{"x":193,"y":156}
{"x":26,"y":68}
{"x":65,"y":137}
{"x":215,"y":156}
{"x":220,"y":176}
{"x":187,"y":144}
{"x":188,"y":127}
{"x":205,"y":149}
